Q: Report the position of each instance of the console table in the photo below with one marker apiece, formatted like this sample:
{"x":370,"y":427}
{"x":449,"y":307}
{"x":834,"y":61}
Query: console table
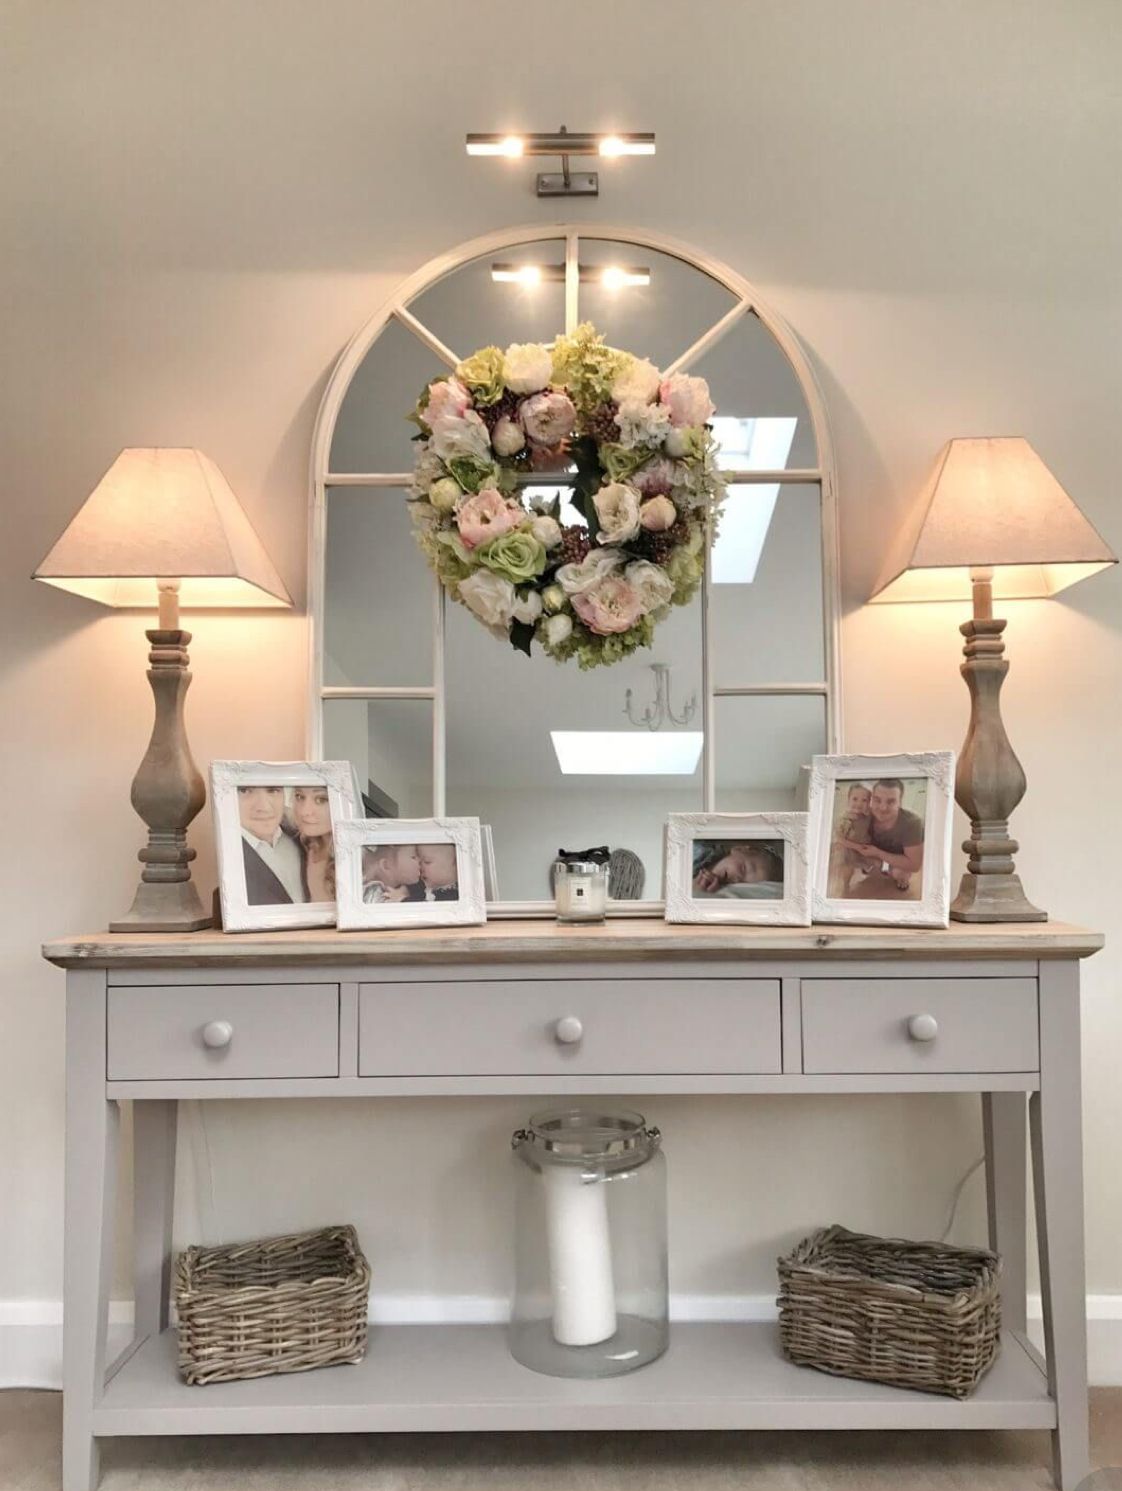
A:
{"x":667,"y":1009}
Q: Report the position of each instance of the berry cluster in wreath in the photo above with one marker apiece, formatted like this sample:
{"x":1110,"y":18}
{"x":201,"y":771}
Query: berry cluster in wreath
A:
{"x":634,"y":446}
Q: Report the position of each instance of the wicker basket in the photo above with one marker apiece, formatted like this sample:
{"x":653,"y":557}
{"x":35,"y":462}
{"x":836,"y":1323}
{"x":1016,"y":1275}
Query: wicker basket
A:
{"x":914,"y":1315}
{"x":283,"y":1304}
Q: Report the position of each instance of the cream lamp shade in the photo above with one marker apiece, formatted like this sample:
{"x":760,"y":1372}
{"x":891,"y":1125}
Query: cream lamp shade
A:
{"x":993,"y":504}
{"x":164,"y":515}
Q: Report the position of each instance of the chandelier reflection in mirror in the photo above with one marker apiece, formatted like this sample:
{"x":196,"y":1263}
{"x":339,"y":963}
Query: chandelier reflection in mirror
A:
{"x":655,"y":715}
{"x":438,"y":719}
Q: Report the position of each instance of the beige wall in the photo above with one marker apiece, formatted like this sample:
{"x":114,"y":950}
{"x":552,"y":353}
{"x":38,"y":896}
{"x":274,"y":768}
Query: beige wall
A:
{"x":200,"y":204}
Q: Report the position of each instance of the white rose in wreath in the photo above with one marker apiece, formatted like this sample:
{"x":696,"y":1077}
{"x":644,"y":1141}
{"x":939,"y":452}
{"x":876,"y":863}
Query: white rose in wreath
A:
{"x":596,"y":564}
{"x":653,"y":585}
{"x":558,"y":629}
{"x":617,"y":507}
{"x":490,"y":596}
{"x":527,"y":367}
{"x":637,"y":383}
{"x":528,"y":607}
{"x":508,"y":437}
{"x":546,"y":530}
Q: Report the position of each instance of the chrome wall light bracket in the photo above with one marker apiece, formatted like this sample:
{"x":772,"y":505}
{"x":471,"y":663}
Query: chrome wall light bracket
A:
{"x":564,"y":143}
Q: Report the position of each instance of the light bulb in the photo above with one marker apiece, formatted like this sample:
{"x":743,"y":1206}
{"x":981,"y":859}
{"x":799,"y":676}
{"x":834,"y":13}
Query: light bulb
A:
{"x":614,"y":277}
{"x":614,"y":145}
{"x":509,"y":145}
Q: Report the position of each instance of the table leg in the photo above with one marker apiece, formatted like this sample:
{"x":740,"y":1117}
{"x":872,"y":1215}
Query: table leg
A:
{"x":92,"y":1125}
{"x":153,"y":1128}
{"x":1056,"y":1126}
{"x":1004,"y":1127}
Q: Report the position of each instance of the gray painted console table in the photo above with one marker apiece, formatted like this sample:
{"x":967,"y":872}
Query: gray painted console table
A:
{"x":667,"y":1009}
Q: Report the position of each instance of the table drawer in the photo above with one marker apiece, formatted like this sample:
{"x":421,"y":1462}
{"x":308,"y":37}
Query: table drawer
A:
{"x":920,"y":1025}
{"x":554,"y":1027}
{"x":274,"y":1030}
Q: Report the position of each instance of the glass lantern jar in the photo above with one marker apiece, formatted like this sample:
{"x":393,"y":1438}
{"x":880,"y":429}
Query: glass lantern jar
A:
{"x":590,"y":1295}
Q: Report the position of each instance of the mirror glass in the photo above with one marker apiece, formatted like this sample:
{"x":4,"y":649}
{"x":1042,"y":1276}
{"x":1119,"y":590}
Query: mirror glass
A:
{"x":377,"y":603}
{"x":765,"y":599}
{"x":469,"y":308}
{"x":761,"y":744}
{"x":389,"y":743}
{"x":659,"y":320}
{"x":544,"y":753}
{"x":547,"y":755}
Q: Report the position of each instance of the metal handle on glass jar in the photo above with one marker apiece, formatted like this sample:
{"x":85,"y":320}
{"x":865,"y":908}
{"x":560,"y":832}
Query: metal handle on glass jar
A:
{"x":217,"y":1034}
{"x":923,"y":1027}
{"x":568,"y":1030}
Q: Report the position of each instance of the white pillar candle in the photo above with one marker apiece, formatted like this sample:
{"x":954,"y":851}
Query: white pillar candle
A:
{"x":580,"y":1257}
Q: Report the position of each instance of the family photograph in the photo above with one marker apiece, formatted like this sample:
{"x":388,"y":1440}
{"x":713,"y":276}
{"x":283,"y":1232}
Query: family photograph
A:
{"x":288,"y":846}
{"x":876,"y":842}
{"x":409,"y":872}
{"x":750,"y":869}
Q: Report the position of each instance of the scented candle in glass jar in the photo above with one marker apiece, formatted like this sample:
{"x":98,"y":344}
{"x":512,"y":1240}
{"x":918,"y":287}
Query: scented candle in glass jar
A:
{"x":580,"y":888}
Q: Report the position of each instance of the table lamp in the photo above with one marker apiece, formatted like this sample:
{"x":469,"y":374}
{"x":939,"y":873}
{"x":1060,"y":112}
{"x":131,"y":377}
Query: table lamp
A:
{"x":162,"y":528}
{"x":995,"y":524}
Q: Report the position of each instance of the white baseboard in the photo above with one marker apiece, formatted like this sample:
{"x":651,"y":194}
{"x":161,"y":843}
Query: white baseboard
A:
{"x":31,"y":1330}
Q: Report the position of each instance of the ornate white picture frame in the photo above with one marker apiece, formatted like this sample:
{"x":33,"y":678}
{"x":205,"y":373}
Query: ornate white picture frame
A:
{"x":723,"y":867}
{"x":396,"y":872}
{"x":273,"y":874}
{"x":869,"y":815}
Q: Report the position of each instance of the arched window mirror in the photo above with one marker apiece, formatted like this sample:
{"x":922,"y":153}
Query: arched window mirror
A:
{"x":438,"y":717}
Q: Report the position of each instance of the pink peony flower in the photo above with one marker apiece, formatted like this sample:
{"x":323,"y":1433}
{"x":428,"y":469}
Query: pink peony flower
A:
{"x":548,"y":417}
{"x":658,"y":514}
{"x":449,"y":396}
{"x":687,"y":399}
{"x":486,"y":515}
{"x":655,"y":477}
{"x":611,"y":605}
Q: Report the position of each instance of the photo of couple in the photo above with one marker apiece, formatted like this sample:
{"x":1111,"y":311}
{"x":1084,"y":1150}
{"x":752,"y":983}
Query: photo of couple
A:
{"x":876,"y":843}
{"x":409,"y":872}
{"x":750,"y":869}
{"x":288,"y":846}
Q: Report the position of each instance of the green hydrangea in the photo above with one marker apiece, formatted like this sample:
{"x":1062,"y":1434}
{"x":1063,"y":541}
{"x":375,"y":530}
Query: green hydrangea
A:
{"x":473,"y":474}
{"x":518,"y":555}
{"x":620,"y":463}
{"x":585,"y":367}
{"x":593,"y":651}
{"x":482,"y":372}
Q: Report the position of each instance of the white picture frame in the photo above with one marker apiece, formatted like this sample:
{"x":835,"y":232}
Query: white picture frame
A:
{"x":354,"y":838}
{"x":740,"y":904}
{"x":931,"y":906}
{"x":241,"y":911}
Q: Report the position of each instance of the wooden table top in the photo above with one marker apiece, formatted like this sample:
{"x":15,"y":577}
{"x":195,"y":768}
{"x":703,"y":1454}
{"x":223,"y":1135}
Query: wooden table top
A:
{"x":545,"y":940}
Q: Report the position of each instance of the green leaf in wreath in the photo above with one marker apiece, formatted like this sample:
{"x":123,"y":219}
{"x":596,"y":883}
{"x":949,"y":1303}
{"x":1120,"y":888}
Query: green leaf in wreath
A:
{"x":521,"y":636}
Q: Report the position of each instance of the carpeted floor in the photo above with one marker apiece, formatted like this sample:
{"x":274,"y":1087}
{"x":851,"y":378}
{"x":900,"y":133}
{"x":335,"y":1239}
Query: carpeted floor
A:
{"x":30,"y":1430}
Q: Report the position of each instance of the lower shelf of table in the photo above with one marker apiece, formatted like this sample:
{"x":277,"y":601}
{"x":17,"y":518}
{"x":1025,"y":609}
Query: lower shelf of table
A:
{"x":461,"y":1377}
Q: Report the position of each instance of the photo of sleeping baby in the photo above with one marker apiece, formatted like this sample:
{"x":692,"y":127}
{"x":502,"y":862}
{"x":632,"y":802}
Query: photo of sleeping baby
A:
{"x":746,"y":869}
{"x":409,"y":872}
{"x":876,"y":848}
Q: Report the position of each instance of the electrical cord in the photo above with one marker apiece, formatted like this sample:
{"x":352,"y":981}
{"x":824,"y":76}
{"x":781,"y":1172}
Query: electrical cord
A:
{"x":957,"y":1197}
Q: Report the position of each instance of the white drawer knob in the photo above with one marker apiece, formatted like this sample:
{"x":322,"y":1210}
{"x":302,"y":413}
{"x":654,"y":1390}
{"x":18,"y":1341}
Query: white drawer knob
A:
{"x":568,"y":1030}
{"x":923,"y":1027}
{"x":218,"y":1033}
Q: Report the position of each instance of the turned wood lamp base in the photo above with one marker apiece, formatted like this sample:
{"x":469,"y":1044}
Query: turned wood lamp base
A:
{"x":167,"y":791}
{"x":990,"y":781}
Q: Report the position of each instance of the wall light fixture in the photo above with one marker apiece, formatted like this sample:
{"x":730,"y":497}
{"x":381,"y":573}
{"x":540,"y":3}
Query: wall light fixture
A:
{"x":566,"y":182}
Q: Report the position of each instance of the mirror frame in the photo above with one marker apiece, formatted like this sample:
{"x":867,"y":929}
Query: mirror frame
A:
{"x":823,"y":476}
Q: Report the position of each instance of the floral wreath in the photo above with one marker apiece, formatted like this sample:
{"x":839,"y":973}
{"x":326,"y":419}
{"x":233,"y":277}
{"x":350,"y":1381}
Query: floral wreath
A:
{"x":647,"y":487}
